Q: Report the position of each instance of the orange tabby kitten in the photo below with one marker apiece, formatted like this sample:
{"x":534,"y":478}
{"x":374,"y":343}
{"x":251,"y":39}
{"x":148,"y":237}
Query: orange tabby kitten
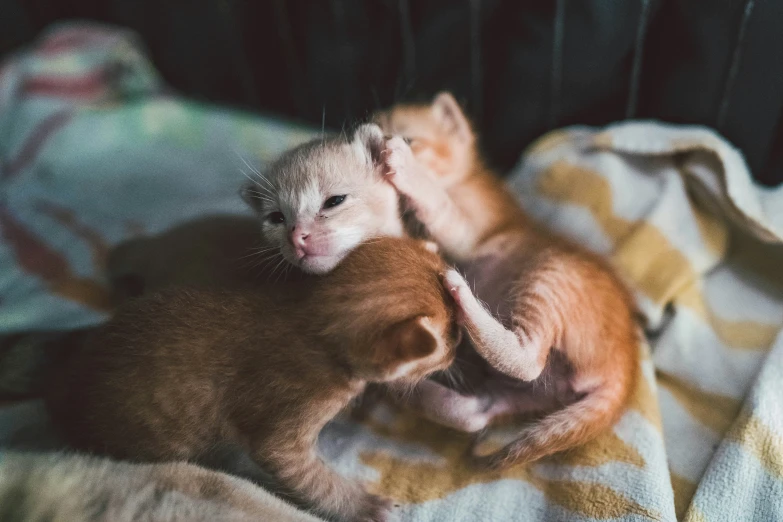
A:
{"x":560,"y":320}
{"x":245,"y":380}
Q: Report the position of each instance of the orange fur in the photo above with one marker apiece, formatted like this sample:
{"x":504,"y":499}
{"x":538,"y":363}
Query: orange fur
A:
{"x":562,"y":320}
{"x":220,"y":377}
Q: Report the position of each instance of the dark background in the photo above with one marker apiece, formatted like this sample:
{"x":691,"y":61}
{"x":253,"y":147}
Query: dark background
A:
{"x":521,"y":67}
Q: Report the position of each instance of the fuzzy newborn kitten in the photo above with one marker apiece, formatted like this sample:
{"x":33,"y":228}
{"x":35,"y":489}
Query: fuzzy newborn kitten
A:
{"x":185,"y":374}
{"x":315,"y":204}
{"x":558,"y":329}
{"x":321,"y":199}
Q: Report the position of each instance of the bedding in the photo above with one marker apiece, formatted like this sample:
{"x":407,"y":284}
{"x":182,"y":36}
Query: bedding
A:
{"x":95,"y":149}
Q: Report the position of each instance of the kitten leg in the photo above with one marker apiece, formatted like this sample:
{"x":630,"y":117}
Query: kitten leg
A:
{"x":445,"y":221}
{"x":445,"y":406}
{"x":235,"y":460}
{"x":517,"y":353}
{"x":300,"y":469}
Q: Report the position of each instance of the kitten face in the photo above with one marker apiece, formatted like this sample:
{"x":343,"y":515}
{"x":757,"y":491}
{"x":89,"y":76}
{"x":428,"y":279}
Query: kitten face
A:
{"x":440,"y":135}
{"x":320,"y":200}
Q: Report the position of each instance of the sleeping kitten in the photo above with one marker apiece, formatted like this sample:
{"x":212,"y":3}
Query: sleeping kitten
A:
{"x":193,"y":375}
{"x":562,"y":321}
{"x":63,"y":488}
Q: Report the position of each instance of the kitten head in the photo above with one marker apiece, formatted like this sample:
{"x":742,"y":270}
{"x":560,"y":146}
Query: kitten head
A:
{"x":440,"y":135}
{"x":321,"y":199}
{"x":389,"y":307}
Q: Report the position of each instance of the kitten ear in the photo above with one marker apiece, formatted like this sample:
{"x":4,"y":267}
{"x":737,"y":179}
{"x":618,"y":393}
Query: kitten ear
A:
{"x":401,"y":345}
{"x":249,"y":194}
{"x":450,"y":117}
{"x":370,"y":139}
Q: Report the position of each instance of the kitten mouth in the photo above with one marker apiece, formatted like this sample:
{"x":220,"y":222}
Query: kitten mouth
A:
{"x":302,"y":252}
{"x":317,"y":263}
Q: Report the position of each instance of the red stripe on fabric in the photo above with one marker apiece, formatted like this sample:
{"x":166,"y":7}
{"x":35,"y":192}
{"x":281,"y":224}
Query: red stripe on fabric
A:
{"x":34,"y":143}
{"x":32,"y":254}
{"x":87,"y":86}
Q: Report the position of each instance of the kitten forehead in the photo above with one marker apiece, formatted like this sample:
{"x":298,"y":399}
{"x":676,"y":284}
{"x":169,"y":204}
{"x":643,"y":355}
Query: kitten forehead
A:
{"x":314,"y":170}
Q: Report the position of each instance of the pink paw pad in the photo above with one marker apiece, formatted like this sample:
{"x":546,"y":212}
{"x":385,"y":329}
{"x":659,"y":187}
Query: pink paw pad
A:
{"x":396,"y":156}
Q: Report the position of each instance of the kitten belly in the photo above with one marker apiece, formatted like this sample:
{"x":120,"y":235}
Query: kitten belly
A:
{"x":493,"y":278}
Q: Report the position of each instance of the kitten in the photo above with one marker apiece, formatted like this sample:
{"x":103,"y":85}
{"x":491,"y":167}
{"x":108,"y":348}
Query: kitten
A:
{"x":563,"y":322}
{"x":321,"y":199}
{"x":62,"y":487}
{"x":192,"y":375}
{"x":315,"y":204}
{"x":217,"y":251}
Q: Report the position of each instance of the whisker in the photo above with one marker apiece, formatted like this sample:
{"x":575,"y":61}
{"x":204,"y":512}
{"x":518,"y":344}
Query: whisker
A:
{"x":254,"y":263}
{"x":257,"y":253}
{"x":261,"y":198}
{"x":268,"y":183}
{"x":248,"y":165}
{"x":276,"y":267}
{"x":323,"y":124}
{"x":254,"y":171}
{"x":251,"y":179}
{"x":266,"y":195}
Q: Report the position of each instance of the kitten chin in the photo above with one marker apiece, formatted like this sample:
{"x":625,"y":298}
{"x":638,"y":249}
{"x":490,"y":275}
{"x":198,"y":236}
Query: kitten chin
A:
{"x":319,"y":264}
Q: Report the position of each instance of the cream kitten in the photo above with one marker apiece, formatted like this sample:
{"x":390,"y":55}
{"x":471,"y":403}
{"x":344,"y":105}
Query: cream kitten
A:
{"x":321,"y":199}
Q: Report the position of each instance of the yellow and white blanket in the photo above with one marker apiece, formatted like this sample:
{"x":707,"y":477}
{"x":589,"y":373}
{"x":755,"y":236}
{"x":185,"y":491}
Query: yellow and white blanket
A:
{"x":93,"y":158}
{"x":675,"y":208}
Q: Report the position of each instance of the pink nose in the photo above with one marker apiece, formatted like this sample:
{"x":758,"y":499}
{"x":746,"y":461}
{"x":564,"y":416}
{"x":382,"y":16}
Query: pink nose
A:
{"x":299,"y":237}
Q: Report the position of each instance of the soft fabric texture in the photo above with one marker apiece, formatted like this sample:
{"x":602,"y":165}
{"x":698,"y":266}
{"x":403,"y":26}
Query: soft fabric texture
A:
{"x":521,"y":68}
{"x":93,"y":151}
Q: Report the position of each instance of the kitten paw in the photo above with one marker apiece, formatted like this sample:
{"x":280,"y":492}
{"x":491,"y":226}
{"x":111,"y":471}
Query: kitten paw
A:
{"x":459,"y":290}
{"x":398,"y":159}
{"x":475,"y":423}
{"x":373,"y":508}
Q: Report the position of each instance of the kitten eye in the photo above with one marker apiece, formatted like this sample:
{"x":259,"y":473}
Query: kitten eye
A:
{"x":276,"y":218}
{"x":334,"y":201}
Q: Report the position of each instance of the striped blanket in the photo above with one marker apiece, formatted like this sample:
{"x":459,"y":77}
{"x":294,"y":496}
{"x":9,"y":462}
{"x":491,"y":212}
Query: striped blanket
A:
{"x":95,"y":150}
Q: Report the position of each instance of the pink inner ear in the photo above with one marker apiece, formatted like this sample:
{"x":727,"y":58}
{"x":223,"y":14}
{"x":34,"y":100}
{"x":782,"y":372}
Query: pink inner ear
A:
{"x":373,"y":139}
{"x":450,"y":115}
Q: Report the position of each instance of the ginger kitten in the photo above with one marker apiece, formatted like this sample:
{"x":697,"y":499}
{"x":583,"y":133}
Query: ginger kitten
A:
{"x":192,"y":375}
{"x":561,"y":320}
{"x":215,"y":251}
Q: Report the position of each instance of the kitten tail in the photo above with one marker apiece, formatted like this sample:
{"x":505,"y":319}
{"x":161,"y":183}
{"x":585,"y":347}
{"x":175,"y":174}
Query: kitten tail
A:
{"x":572,"y":426}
